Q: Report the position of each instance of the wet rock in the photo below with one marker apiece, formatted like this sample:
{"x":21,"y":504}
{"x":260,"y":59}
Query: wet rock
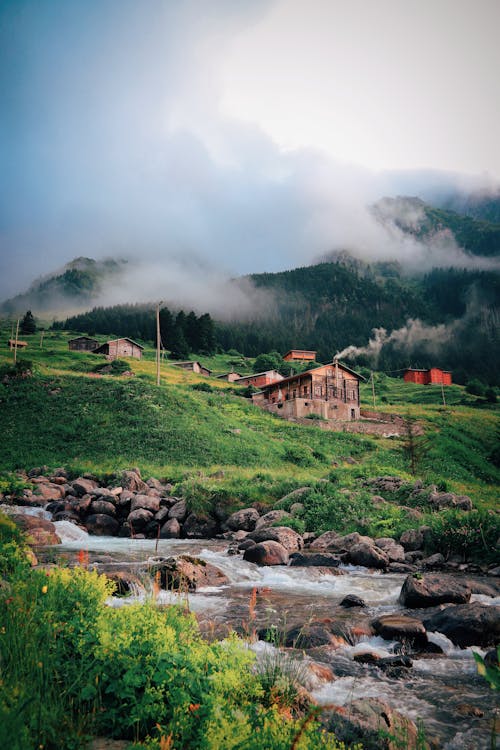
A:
{"x":366,"y":657}
{"x":56,"y":506}
{"x":125,"y":582}
{"x":46,"y":491}
{"x":368,"y":555}
{"x":483,"y":588}
{"x":288,"y":538}
{"x":171,"y":529}
{"x":178,"y":510}
{"x":66,"y":515}
{"x":102,"y":506}
{"x":467,"y":624}
{"x":401,"y":567}
{"x":394,"y":551}
{"x":272,"y":517}
{"x":314,"y":634}
{"x":124,"y":499}
{"x":244,"y":519}
{"x":185,"y":573}
{"x":430,"y":590}
{"x":412,"y":539}
{"x":196,"y":527}
{"x":400,"y":628}
{"x":348,"y":541}
{"x":433,"y":561}
{"x":373,"y":723}
{"x":138,"y":519}
{"x":314,"y":559}
{"x":351,"y":600}
{"x":100,"y":524}
{"x":82,"y":486}
{"x":494,"y":571}
{"x":246,"y":544}
{"x":268,"y":552}
{"x":38,"y":530}
{"x":162,"y":515}
{"x":103,"y":493}
{"x":149,"y":502}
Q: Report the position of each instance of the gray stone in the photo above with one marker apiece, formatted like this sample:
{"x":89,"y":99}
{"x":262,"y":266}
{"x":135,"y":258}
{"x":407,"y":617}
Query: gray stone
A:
{"x":467,"y":624}
{"x":138,"y":519}
{"x":244,"y":519}
{"x":100,"y":524}
{"x":102,"y":506}
{"x":368,"y":555}
{"x":179,"y":511}
{"x":83,"y":486}
{"x":149,"y":502}
{"x":268,"y":552}
{"x":412,"y":539}
{"x":268,"y":519}
{"x":287,"y":537}
{"x":171,"y":529}
{"x":429,"y":590}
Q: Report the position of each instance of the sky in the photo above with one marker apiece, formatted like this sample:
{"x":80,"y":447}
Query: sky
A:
{"x":210,"y":138}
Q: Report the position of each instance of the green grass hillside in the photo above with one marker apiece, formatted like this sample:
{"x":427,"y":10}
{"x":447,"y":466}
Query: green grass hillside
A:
{"x":214,"y":444}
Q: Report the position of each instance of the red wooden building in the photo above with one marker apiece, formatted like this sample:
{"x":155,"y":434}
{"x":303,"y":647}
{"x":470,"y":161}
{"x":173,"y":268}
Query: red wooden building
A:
{"x":193,"y":366}
{"x":259,"y":379}
{"x":330,"y":391}
{"x":427,"y":377}
{"x":299,"y":355}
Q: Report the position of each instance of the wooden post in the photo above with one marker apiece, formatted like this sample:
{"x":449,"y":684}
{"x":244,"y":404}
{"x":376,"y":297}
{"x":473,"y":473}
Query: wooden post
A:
{"x":442,"y":392}
{"x":15,"y":342}
{"x":158,"y":340}
{"x":373,"y":389}
{"x":41,"y":338}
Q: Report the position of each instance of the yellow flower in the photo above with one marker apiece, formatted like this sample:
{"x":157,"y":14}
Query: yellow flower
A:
{"x":45,"y":589}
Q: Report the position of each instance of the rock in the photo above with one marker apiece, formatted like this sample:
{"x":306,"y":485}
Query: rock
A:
{"x":39,"y":531}
{"x":171,"y":529}
{"x":351,"y":600}
{"x":47,"y":491}
{"x":244,"y":519}
{"x":440,"y":500}
{"x":269,"y":518}
{"x":412,"y":539}
{"x":324,"y":540}
{"x":398,"y":627}
{"x":296,"y":509}
{"x":485,"y":589}
{"x":100,"y":524}
{"x":124,"y":499}
{"x":155,"y":484}
{"x":149,"y":502}
{"x":314,"y":559}
{"x":288,"y":538}
{"x":82,"y":486}
{"x":368,"y":555}
{"x":405,"y":567}
{"x":185,"y":573}
{"x":125,"y":582}
{"x":366,"y":657}
{"x":433,"y":561}
{"x":103,"y":493}
{"x":162,"y":515}
{"x":56,"y":506}
{"x":246,"y":544}
{"x":430,"y":590}
{"x":465,"y":625}
{"x":102,"y":506}
{"x":294,"y":495}
{"x":344,"y":543}
{"x":81,"y":505}
{"x":131,"y":480}
{"x":314,"y":634}
{"x":138,"y":519}
{"x":268,"y":552}
{"x":494,"y":571}
{"x":199,"y":528}
{"x":394,"y":551}
{"x":178,"y":510}
{"x":374,"y":723}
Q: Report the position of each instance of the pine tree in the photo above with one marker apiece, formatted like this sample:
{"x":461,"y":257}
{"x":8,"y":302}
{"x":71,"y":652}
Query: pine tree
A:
{"x":28,"y":324}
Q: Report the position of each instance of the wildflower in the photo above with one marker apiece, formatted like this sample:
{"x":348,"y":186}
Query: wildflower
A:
{"x":45,"y":589}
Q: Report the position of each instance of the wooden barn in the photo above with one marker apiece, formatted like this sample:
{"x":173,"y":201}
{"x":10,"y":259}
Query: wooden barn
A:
{"x":13,"y":344}
{"x":299,"y":355}
{"x":194,"y":366}
{"x":120,"y":348}
{"x":259,"y":379}
{"x":83,"y":344}
{"x":330,"y":391}
{"x":433,"y":375}
{"x":231,"y":377}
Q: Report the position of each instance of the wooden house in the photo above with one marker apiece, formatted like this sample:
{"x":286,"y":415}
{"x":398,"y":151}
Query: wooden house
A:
{"x":434,"y":375}
{"x":13,"y":344}
{"x":120,"y":348}
{"x":330,"y":391}
{"x":300,"y":355}
{"x":259,"y":379}
{"x":194,"y":366}
{"x":83,"y":344}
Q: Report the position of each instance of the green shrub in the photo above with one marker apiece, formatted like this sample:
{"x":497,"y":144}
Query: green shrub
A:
{"x":472,"y":535}
{"x":298,"y":455}
{"x":297,"y":524}
{"x":475,"y":387}
{"x":205,"y":387}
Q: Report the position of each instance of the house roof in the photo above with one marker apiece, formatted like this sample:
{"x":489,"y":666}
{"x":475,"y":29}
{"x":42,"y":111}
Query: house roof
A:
{"x":225,"y":374}
{"x":303,"y":351}
{"x":309,"y":372}
{"x":425,"y":369}
{"x":190,"y":362}
{"x":123,"y":338}
{"x":83,"y":338}
{"x":256,"y":374}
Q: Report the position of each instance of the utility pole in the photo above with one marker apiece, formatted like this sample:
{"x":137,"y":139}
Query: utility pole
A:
{"x":373,"y":388}
{"x":15,"y":342}
{"x":158,"y":342}
{"x":442,"y":392}
{"x":41,"y":338}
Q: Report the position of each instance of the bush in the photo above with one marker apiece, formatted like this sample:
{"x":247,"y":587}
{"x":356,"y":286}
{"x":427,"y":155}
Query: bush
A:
{"x":204,"y":387}
{"x":470,"y":535}
{"x":115,"y":367}
{"x":298,"y":455}
{"x":475,"y":387}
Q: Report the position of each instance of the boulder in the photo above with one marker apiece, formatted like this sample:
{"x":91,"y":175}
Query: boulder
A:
{"x":324,"y":540}
{"x":243,"y":520}
{"x":440,"y":500}
{"x":351,"y":600}
{"x":368,"y":555}
{"x":178,"y":510}
{"x":430,"y":590}
{"x":346,"y":542}
{"x":47,"y":491}
{"x":155,"y":484}
{"x":196,"y":527}
{"x":398,"y":627}
{"x":246,"y":544}
{"x":124,"y":499}
{"x":316,"y":633}
{"x":287,"y":537}
{"x":149,"y":502}
{"x":171,"y":529}
{"x":39,"y":531}
{"x":465,"y":625}
{"x":131,"y":480}
{"x":102,"y":506}
{"x":139,"y":518}
{"x":412,"y":539}
{"x":433,"y":561}
{"x":314,"y":559}
{"x":103,"y":493}
{"x":268,"y":519}
{"x":394,"y":551}
{"x":82,"y":486}
{"x":268,"y":552}
{"x":162,"y":515}
{"x":100,"y":524}
{"x":372,"y":722}
{"x":185,"y":573}
{"x":297,"y":509}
